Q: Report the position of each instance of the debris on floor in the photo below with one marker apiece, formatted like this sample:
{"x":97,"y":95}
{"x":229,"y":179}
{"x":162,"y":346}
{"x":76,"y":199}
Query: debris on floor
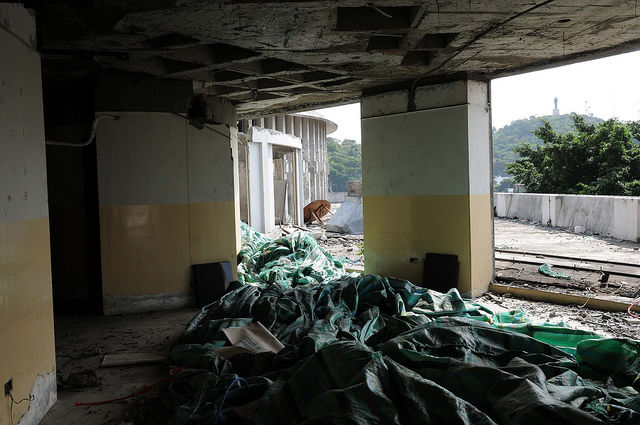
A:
{"x":81,"y":344}
{"x":369,"y":349}
{"x":83,"y":379}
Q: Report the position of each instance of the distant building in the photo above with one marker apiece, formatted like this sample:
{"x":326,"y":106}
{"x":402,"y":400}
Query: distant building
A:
{"x":291,"y":153}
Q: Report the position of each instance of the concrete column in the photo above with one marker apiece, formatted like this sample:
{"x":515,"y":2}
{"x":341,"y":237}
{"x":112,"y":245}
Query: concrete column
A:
{"x":280,"y":125}
{"x":297,"y":186}
{"x":288,"y":125}
{"x":27,"y":350}
{"x":427,"y":182}
{"x":626,"y":218}
{"x":551,"y":206}
{"x":308,"y":166}
{"x":261,"y":186}
{"x":297,"y":127}
{"x":270,"y":122}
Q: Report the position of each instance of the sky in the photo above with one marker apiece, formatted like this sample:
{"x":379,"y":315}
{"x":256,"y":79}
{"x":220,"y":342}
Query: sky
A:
{"x":606,"y":88}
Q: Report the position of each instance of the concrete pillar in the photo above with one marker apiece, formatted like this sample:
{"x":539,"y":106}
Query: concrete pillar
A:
{"x":308,"y":169}
{"x":288,"y":125}
{"x":260,"y":163}
{"x":280,"y":123}
{"x":27,"y":350}
{"x":551,"y":206}
{"x":626,"y":218}
{"x":427,"y":182}
{"x":270,"y":122}
{"x":297,"y":186}
{"x":168,"y":198}
{"x":297,"y":127}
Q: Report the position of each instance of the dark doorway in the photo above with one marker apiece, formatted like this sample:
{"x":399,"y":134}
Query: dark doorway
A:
{"x":73,"y":198}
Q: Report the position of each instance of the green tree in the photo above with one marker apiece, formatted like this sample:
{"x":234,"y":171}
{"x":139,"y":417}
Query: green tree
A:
{"x":345,"y":163}
{"x":511,"y":135}
{"x":595,"y":159}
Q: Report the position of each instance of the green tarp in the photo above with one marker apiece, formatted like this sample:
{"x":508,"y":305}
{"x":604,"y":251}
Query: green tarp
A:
{"x":373,"y":350}
{"x":294,"y":259}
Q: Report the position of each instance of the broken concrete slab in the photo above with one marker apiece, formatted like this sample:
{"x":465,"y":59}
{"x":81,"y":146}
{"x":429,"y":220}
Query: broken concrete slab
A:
{"x":348,"y":218}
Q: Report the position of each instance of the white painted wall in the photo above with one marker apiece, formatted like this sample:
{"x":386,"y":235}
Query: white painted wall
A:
{"x":440,"y":140}
{"x":20,"y":22}
{"x":156,"y":158}
{"x":616,"y":216}
{"x":167,"y":200}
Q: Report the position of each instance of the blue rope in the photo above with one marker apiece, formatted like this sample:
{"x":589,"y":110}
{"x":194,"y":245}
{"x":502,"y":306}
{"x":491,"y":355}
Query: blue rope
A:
{"x":225,"y":396}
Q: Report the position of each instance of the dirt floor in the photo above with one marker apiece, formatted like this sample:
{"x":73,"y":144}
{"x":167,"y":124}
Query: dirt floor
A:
{"x":82,"y":342}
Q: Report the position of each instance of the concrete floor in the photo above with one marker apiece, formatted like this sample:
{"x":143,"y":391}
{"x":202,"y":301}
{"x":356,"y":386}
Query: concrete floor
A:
{"x":525,"y":236}
{"x":81,"y":342}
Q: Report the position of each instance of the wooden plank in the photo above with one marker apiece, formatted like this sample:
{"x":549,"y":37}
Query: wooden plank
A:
{"x":553,"y":297}
{"x":571,"y":265}
{"x":133,"y":358}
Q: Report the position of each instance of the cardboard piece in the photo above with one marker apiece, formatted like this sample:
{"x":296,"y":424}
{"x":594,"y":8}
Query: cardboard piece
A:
{"x":254,"y":338}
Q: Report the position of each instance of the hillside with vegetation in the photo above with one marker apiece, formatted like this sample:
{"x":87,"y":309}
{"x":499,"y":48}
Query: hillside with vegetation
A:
{"x":345,"y":163}
{"x":519,"y":131}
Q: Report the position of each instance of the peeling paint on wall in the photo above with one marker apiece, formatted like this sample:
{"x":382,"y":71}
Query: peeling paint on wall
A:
{"x":43,"y":395}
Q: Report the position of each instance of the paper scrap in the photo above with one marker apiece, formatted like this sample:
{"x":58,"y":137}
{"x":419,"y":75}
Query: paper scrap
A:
{"x":254,"y":338}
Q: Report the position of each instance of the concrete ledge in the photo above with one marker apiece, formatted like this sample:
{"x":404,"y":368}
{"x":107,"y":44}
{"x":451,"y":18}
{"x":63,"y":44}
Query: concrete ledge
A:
{"x":119,"y":304}
{"x":434,"y":96}
{"x":554,"y":297}
{"x":617,"y":216}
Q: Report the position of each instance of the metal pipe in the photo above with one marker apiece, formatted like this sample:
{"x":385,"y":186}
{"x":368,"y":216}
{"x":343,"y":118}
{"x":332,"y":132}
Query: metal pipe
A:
{"x":91,"y":136}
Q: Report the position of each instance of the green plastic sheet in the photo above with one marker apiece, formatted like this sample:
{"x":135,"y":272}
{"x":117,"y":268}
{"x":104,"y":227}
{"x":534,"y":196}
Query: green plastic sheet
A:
{"x":545,"y":269}
{"x":291,"y":260}
{"x":376,"y":350}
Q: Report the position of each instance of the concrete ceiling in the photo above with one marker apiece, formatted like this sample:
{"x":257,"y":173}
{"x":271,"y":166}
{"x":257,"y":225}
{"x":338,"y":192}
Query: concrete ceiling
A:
{"x":280,"y":56}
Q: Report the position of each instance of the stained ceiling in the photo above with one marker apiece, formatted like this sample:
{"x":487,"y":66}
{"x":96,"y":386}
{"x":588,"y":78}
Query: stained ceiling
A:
{"x":275,"y":56}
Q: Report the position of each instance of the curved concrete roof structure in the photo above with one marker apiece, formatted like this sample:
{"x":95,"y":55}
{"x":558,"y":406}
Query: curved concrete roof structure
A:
{"x":331,"y":126}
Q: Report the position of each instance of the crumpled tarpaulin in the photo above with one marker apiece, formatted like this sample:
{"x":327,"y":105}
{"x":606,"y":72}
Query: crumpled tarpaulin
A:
{"x":545,"y":269}
{"x":372,"y":350}
{"x":294,"y":259}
